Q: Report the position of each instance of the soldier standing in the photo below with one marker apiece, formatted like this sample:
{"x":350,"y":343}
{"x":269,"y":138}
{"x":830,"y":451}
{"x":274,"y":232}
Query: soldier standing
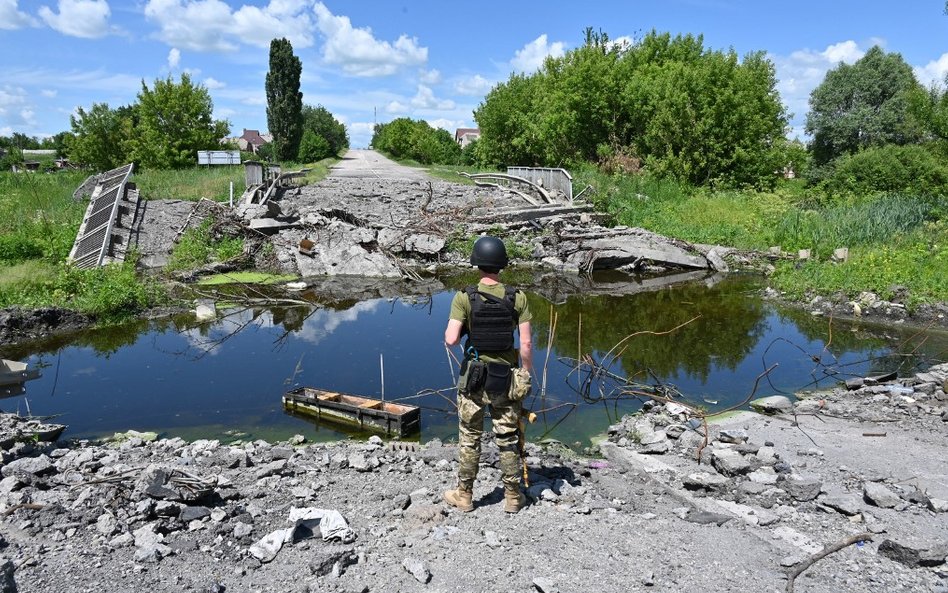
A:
{"x":493,"y":374}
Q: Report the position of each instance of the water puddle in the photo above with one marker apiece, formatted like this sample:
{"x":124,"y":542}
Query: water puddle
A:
{"x":225,"y":379}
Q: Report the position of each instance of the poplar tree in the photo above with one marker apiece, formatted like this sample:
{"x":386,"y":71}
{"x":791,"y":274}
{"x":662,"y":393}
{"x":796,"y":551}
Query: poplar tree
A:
{"x":284,"y":100}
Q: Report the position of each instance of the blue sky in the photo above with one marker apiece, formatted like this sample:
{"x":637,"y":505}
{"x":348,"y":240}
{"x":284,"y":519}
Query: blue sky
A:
{"x":426,"y":59}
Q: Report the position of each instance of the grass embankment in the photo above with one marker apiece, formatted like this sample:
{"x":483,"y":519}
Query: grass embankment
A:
{"x":892,"y":240}
{"x":38,"y":224}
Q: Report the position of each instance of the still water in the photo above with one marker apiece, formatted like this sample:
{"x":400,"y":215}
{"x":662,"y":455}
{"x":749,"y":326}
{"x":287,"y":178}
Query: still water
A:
{"x":225,"y":379}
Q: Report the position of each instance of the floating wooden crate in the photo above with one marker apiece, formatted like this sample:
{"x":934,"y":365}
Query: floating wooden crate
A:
{"x":354,"y":410}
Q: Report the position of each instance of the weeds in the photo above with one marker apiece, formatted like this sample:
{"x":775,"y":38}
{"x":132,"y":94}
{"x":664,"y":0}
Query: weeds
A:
{"x":198,"y":247}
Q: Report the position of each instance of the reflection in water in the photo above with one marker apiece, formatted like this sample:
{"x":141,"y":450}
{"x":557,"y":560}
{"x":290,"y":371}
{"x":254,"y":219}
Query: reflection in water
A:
{"x":224,"y":378}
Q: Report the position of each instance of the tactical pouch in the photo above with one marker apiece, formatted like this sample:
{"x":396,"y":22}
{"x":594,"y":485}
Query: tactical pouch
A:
{"x":498,"y":379}
{"x":522,"y":384}
{"x":473,"y":374}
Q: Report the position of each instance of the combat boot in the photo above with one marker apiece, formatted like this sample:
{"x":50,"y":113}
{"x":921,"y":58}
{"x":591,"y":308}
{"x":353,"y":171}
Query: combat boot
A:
{"x":460,"y":498}
{"x":514,"y":500}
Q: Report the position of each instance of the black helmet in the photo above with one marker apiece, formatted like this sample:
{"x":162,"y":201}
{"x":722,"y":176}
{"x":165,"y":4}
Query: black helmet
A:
{"x":489,"y":252}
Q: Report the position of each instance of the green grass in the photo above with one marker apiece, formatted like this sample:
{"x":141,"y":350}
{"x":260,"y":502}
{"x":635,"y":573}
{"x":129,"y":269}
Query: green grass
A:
{"x":198,"y":247}
{"x":193,"y":184}
{"x":38,"y":217}
{"x":917,"y":260}
{"x":111,"y":293}
{"x":892,"y":239}
{"x":317,"y":171}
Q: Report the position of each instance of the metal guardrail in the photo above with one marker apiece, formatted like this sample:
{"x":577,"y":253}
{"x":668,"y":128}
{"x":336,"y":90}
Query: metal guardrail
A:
{"x":550,"y":178}
{"x":95,"y":233}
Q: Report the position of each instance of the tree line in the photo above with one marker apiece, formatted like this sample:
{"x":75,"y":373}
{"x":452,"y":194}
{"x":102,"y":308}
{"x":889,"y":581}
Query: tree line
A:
{"x":669,"y":107}
{"x":172,"y":119}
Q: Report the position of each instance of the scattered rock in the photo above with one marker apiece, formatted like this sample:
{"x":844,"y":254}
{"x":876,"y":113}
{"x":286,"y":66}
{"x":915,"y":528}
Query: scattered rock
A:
{"x":938,"y":505}
{"x":706,"y":517}
{"x":733,"y":436}
{"x":880,"y":496}
{"x":729,"y":462}
{"x":544,"y":585}
{"x":846,"y":504}
{"x":802,"y":489}
{"x":417,"y":568}
{"x":705,"y":481}
{"x":773,"y":404}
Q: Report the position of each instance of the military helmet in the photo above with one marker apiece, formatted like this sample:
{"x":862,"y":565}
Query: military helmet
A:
{"x":489,"y":252}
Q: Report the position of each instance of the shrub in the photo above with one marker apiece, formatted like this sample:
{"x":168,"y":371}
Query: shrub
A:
{"x":908,"y":169}
{"x":313,"y":147}
{"x":17,"y":248}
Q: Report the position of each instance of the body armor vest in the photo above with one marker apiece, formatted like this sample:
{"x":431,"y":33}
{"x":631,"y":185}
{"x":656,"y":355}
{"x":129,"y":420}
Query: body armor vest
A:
{"x":492,"y":320}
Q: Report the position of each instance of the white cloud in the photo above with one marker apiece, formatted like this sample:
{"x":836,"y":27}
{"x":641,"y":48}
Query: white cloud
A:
{"x":622,"y":42}
{"x":174,"y":58}
{"x":324,"y":322}
{"x":934,"y":72}
{"x":357,"y":50}
{"x":211,"y":25}
{"x":97,"y":80}
{"x":430,"y":76}
{"x":360,"y":133}
{"x":475,"y":85}
{"x":11,"y":17}
{"x":531,"y":56}
{"x":49,"y":93}
{"x":79,"y":18}
{"x":425,"y":99}
{"x":254,"y":100}
{"x":362,"y":127}
{"x":396,"y":107}
{"x":213,"y":84}
{"x":846,"y":51}
{"x":15,"y":108}
{"x":446,"y":124}
{"x":803,"y":70}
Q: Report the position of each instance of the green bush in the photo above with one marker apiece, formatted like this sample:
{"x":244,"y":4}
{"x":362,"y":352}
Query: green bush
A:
{"x":110,"y":292}
{"x":908,"y":169}
{"x":17,"y":248}
{"x":405,"y":138}
{"x":313,"y":147}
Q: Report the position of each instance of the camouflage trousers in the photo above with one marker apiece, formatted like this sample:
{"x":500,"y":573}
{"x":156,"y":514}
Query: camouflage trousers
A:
{"x":505,"y":415}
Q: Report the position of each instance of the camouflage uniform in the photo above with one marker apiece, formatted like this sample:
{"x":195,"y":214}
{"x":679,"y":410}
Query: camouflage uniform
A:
{"x":504,"y":412}
{"x":505,"y":415}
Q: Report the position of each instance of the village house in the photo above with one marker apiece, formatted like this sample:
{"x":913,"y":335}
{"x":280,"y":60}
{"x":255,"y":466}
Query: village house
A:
{"x":465,"y":136}
{"x":251,"y":140}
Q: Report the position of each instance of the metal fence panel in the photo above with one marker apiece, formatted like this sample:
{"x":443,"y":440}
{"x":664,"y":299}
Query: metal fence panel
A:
{"x":549,"y":178}
{"x":218,"y":157}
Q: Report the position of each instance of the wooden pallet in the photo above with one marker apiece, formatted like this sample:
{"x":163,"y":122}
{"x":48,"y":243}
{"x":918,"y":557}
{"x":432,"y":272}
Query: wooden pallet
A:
{"x":354,"y":410}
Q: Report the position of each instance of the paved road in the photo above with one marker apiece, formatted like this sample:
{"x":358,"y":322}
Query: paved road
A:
{"x":368,"y":164}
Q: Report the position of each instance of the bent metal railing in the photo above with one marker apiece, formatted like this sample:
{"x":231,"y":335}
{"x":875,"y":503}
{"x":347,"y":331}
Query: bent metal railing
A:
{"x":95,"y":233}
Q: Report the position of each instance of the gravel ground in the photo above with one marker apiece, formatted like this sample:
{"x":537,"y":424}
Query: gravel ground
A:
{"x":141,"y":513}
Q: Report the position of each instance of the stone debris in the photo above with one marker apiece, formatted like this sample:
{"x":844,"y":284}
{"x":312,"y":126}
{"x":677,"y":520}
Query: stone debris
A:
{"x":247,"y":512}
{"x":880,"y":496}
{"x":417,"y":568}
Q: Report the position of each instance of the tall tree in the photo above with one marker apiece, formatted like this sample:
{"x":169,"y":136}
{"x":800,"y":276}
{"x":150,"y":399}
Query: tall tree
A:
{"x":284,"y":100}
{"x":99,"y":139}
{"x":175,"y":120}
{"x":861,"y":105}
{"x":699,"y":115}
